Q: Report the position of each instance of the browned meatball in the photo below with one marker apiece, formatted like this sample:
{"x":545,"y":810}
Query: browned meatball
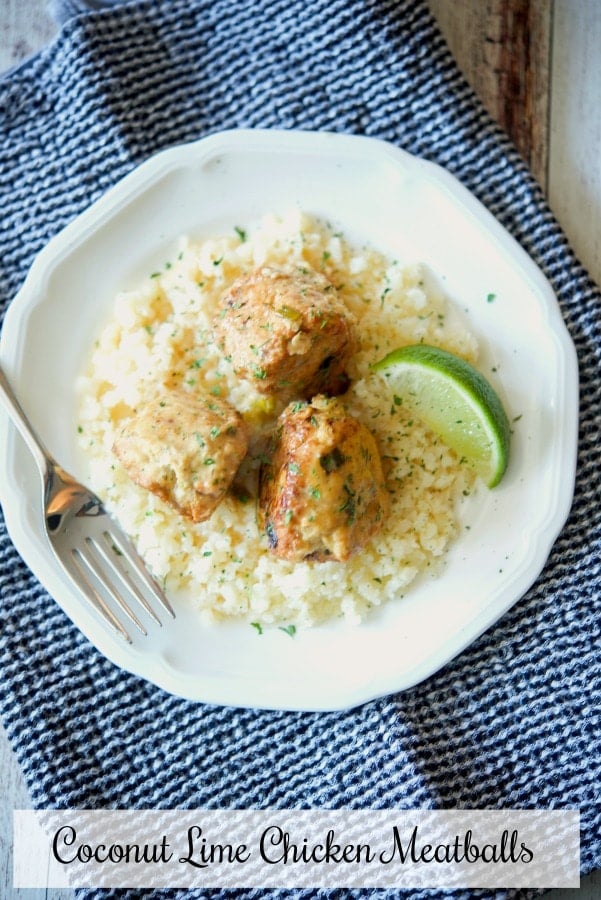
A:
{"x":185,"y":449}
{"x":288,"y":332}
{"x":321,"y":494}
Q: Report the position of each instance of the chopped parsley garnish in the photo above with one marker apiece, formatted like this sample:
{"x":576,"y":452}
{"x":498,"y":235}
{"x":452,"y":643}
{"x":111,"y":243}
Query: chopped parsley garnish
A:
{"x":288,"y":629}
{"x":349,"y":505}
{"x":329,"y":462}
{"x":383,"y":296}
{"x":241,"y":494}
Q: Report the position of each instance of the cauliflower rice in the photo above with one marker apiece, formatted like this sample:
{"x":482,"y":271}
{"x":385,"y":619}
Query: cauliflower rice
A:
{"x":160,"y":335}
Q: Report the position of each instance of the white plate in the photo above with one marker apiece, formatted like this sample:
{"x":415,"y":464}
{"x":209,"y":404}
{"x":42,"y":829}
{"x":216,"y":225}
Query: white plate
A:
{"x":404,"y":206}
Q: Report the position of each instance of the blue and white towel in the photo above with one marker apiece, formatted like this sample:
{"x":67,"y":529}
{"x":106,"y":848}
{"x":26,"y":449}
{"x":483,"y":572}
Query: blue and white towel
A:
{"x":514,"y":721}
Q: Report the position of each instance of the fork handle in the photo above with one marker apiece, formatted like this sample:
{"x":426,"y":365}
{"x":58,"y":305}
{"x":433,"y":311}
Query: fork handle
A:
{"x":12,"y":406}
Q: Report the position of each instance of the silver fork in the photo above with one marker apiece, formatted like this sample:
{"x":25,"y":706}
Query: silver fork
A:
{"x":89,"y":545}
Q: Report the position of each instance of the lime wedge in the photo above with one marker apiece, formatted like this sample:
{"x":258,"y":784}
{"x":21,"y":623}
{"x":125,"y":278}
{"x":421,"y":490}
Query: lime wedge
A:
{"x":454,"y":401}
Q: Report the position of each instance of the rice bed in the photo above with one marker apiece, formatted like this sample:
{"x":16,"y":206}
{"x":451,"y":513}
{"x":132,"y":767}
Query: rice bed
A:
{"x":159,"y":335}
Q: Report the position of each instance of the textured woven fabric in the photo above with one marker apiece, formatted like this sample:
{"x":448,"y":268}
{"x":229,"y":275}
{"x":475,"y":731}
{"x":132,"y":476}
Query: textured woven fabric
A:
{"x":514,"y":721}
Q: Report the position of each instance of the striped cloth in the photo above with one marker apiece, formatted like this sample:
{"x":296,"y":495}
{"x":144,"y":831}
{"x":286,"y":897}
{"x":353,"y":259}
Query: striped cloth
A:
{"x":514,"y":721}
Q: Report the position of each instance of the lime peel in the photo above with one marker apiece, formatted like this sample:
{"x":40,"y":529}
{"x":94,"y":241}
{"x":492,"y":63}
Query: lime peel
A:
{"x":455,"y":401}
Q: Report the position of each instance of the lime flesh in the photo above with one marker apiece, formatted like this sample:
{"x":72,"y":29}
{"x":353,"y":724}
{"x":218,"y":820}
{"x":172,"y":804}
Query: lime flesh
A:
{"x":454,"y":401}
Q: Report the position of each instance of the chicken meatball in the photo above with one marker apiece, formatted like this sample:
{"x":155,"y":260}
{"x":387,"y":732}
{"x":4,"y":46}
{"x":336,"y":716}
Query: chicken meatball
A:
{"x":185,"y":449}
{"x":287,"y":331}
{"x":321,"y":493}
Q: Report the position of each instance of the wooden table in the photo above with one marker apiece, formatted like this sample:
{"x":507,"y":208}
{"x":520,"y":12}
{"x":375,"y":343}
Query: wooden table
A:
{"x":536,"y":65}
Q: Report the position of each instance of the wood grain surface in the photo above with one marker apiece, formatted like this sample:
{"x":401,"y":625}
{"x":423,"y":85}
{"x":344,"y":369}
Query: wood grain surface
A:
{"x":504,"y":49}
{"x":574,"y":168}
{"x":536,"y":66}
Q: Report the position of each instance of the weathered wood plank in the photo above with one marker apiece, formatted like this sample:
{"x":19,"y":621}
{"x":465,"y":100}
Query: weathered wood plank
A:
{"x":574,"y":189}
{"x":503,"y":48}
{"x":15,"y":796}
{"x":25,"y":26}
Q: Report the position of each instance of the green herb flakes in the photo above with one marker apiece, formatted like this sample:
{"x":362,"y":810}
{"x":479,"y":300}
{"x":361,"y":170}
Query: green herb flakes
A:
{"x":288,"y":629}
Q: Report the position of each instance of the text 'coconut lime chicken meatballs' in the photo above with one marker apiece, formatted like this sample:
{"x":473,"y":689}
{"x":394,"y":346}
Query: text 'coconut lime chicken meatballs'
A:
{"x":184,"y":448}
{"x":287,"y":331}
{"x":322,"y":494}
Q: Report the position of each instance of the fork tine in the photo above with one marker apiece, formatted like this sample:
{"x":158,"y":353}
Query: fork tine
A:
{"x":70,"y":510}
{"x":121,"y":545}
{"x":111,"y":561}
{"x":86,"y":554}
{"x":92,"y":595}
